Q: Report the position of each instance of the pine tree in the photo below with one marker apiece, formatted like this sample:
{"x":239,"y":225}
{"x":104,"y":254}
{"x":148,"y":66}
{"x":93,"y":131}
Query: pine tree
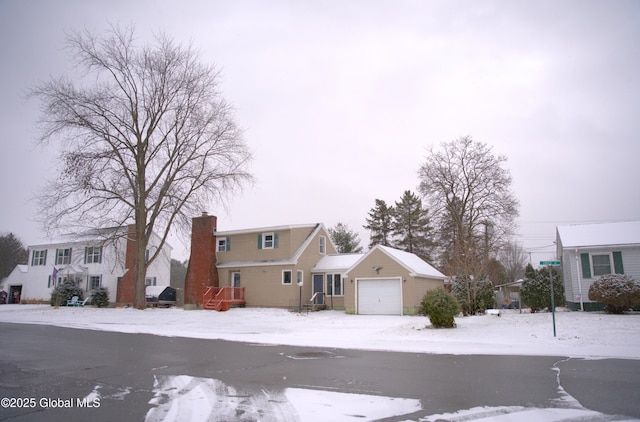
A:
{"x":345,"y":239}
{"x":379,"y":224}
{"x":411,"y":228}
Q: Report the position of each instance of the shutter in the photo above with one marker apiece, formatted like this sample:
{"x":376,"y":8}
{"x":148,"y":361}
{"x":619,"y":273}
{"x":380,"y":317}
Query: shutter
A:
{"x":275,"y":240}
{"x":86,"y":250}
{"x":45,"y":257}
{"x":100,"y":257}
{"x":617,"y":263}
{"x":228,"y":244}
{"x":259,"y":241}
{"x":586,"y":265}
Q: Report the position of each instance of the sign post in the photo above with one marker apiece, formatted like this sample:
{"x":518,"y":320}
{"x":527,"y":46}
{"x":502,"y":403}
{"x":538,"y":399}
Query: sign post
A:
{"x":553,"y":304}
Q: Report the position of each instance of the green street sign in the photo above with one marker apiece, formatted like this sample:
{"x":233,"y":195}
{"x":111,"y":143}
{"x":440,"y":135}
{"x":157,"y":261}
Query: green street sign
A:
{"x":550,"y":263}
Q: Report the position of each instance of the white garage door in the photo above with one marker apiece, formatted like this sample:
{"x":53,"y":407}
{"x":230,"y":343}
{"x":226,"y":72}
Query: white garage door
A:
{"x":380,"y":296}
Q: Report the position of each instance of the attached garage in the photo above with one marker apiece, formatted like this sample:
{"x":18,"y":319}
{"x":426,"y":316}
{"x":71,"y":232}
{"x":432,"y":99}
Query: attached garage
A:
{"x":379,"y":296}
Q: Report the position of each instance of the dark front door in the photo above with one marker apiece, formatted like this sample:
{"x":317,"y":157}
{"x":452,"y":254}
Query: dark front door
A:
{"x":318,"y":283}
{"x":14,"y":294}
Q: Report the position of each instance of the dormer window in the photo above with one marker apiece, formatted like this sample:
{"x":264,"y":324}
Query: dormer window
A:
{"x":268,"y":240}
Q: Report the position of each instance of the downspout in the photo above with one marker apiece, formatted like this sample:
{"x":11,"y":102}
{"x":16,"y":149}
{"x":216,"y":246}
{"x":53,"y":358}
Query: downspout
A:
{"x":579,"y":280}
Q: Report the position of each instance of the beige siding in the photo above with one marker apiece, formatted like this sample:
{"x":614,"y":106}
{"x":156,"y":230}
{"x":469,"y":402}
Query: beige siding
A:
{"x":413,"y":288}
{"x":263,"y":283}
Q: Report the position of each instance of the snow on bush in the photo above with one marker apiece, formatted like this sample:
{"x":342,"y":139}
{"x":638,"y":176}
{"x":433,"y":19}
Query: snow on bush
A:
{"x":618,"y":292}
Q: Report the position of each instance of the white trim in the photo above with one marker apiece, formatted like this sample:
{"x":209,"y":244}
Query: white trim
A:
{"x":290,"y":283}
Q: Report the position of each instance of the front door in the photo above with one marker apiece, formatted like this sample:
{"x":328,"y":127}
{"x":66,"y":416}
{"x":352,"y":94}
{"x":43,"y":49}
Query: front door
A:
{"x":235,"y":282}
{"x":14,"y":294}
{"x":318,"y":283}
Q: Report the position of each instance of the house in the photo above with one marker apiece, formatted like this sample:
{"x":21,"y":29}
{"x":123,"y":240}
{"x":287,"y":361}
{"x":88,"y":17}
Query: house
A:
{"x":588,"y":251}
{"x":94,"y":259}
{"x":292,"y":265}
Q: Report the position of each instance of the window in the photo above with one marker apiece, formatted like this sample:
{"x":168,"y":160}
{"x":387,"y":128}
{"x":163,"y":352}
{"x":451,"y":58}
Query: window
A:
{"x":322,"y":245}
{"x":63,"y":256}
{"x":39,"y":258}
{"x":286,"y":277}
{"x":224,"y":244}
{"x":601,"y":264}
{"x":93,"y":255}
{"x":597,"y":264}
{"x":268,"y":240}
{"x":300,"y":277}
{"x":334,"y":285}
{"x":95,"y":282}
{"x":150,"y":281}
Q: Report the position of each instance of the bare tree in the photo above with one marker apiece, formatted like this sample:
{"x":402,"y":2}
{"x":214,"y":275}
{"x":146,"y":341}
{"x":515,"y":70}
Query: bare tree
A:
{"x":470,"y":198}
{"x":146,"y":139}
{"x":514,"y":259}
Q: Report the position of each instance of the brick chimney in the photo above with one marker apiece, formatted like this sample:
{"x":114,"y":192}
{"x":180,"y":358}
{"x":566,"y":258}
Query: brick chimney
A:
{"x":202,"y":269}
{"x":125,"y":283}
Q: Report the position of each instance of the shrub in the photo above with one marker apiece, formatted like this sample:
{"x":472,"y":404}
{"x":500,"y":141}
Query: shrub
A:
{"x":441,"y":307}
{"x":100,"y":297}
{"x":617,"y":292}
{"x":536,"y":292}
{"x":65,"y":291}
{"x":473,"y":296}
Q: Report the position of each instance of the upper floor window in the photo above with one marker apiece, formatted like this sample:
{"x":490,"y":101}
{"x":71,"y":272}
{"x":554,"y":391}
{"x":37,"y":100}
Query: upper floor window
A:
{"x":224,"y":244}
{"x":268,"y":240}
{"x":322,"y":244}
{"x":39,"y":257}
{"x":93,"y":254}
{"x":150,"y":281}
{"x":63,"y":256}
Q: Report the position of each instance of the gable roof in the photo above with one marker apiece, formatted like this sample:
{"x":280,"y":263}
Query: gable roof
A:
{"x":603,"y":234}
{"x":417,"y":266}
{"x":287,"y":261}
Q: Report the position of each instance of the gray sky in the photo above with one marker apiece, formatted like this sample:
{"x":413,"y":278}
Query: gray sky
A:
{"x":341,"y":99}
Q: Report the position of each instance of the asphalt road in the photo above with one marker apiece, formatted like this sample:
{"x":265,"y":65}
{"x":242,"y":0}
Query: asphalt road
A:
{"x":55,"y":374}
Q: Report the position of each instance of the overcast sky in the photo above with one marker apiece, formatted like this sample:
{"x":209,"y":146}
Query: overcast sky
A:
{"x":341,"y":99}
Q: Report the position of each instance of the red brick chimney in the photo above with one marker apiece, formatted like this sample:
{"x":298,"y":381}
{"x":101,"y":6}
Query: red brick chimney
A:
{"x":202,"y":269}
{"x":125,"y":283}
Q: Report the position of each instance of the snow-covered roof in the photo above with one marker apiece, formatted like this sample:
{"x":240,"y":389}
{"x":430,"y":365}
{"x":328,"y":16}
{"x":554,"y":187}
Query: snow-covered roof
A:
{"x":340,"y":262}
{"x":603,"y":234}
{"x":413,"y":262}
{"x":417,"y":266}
{"x":264,"y":229}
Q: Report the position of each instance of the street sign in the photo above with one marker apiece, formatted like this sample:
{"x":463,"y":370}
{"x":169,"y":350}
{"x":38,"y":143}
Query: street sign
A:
{"x":550,"y":263}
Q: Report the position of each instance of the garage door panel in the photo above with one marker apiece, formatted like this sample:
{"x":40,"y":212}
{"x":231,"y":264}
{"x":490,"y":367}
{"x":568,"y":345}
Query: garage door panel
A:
{"x":380,"y":297}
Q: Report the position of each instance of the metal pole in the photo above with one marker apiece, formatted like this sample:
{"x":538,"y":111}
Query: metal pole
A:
{"x":553,"y":305}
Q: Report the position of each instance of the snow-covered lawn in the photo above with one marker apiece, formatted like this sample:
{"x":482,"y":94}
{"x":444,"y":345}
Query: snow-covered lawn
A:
{"x":588,"y":334}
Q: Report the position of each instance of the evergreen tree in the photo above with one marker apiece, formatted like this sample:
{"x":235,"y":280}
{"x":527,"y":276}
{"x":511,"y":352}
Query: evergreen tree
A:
{"x":410,"y":228}
{"x":345,"y":239}
{"x":12,"y":253}
{"x":379,"y":224}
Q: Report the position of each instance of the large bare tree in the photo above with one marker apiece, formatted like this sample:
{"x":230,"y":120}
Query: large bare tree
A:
{"x":469,"y":193}
{"x":146,"y":139}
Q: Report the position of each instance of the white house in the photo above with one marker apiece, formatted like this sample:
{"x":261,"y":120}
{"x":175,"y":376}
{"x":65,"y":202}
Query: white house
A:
{"x":93,"y":259}
{"x":588,"y":251}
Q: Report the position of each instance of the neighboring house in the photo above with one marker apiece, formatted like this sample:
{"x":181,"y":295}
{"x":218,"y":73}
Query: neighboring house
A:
{"x":589,"y":251}
{"x":93,"y":260}
{"x":290,"y":266}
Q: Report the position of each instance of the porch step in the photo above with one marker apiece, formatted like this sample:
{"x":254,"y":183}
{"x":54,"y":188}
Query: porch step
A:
{"x":217,"y":305}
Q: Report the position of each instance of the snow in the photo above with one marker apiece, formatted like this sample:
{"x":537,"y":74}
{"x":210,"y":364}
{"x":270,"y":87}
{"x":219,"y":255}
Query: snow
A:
{"x":185,"y":398}
{"x":579,"y":334}
{"x":605,"y":234}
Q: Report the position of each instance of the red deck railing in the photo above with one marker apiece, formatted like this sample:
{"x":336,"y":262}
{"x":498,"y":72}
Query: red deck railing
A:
{"x":221,"y":298}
